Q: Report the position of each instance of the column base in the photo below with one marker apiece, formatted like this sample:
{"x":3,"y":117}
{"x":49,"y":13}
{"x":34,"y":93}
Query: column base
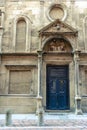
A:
{"x":40,"y":117}
{"x":40,"y":111}
{"x":78,"y":110}
{"x":39,"y":104}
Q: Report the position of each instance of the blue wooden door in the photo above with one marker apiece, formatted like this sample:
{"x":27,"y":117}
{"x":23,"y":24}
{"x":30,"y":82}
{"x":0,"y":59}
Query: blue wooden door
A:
{"x":57,"y":88}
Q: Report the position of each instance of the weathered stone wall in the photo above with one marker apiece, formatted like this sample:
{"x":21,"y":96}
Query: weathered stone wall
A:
{"x":35,"y":14}
{"x":22,"y":72}
{"x":18,"y":104}
{"x":36,"y":11}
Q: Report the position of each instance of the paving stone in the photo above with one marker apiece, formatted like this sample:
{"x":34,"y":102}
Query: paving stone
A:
{"x":50,"y":123}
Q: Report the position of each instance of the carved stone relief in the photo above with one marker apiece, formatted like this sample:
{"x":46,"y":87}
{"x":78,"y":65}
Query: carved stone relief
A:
{"x":58,"y":45}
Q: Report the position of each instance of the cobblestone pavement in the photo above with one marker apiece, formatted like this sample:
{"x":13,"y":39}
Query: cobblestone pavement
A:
{"x":51,"y":122}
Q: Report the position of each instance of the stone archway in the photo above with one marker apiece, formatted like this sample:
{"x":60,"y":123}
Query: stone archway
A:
{"x":57,"y":58}
{"x":57,"y":74}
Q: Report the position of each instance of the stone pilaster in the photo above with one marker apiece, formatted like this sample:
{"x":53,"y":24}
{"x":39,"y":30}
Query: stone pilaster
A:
{"x":2,"y":19}
{"x":39,"y":96}
{"x":40,"y":111}
{"x":41,"y":13}
{"x":1,"y":29}
{"x":1,"y":33}
{"x":85,"y":32}
{"x":78,"y":110}
{"x":72,"y":12}
{"x":39,"y":71}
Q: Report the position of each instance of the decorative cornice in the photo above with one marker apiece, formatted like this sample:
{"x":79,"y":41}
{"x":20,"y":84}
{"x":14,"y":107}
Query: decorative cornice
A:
{"x":17,"y":54}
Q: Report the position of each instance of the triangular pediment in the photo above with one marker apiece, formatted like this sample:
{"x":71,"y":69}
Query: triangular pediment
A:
{"x":57,"y":27}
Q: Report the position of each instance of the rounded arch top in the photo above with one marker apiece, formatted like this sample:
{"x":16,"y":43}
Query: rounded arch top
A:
{"x":57,"y":43}
{"x":28,"y":27}
{"x":23,"y":17}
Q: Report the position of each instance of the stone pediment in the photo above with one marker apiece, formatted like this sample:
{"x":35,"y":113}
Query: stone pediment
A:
{"x":57,"y":27}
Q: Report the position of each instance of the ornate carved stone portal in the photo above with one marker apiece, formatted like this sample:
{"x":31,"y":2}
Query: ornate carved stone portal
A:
{"x":60,"y":37}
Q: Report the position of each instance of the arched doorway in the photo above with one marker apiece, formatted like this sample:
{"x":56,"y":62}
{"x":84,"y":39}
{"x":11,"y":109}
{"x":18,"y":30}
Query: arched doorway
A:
{"x":57,"y":76}
{"x":58,"y":41}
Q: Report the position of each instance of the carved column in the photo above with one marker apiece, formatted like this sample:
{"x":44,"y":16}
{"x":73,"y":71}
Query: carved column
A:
{"x":39,"y":71}
{"x":39,"y":96}
{"x":78,"y":110}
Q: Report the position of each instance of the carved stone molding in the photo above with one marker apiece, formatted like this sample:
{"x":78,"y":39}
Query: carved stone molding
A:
{"x":61,"y":12}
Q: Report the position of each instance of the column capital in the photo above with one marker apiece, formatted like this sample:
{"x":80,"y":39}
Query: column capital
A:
{"x":39,"y":97}
{"x":76,"y":54}
{"x":72,"y":1}
{"x":78,"y":97}
{"x":41,"y":0}
{"x":1,"y":30}
{"x":39,"y":52}
{"x":77,"y":51}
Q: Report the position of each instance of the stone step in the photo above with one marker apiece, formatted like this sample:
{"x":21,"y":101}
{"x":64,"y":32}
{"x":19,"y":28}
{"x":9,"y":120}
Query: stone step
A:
{"x":43,"y":128}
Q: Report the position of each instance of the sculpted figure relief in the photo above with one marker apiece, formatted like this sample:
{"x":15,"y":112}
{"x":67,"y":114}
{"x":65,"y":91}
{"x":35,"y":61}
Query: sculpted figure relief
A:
{"x":57,"y":46}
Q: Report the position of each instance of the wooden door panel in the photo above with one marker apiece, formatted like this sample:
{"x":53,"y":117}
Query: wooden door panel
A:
{"x":57,"y":87}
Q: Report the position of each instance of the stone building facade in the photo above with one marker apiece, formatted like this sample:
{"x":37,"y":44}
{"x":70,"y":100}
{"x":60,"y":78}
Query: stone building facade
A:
{"x":43,"y":56}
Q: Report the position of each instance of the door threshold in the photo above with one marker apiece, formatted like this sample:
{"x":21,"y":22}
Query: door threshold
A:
{"x":58,"y":111}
